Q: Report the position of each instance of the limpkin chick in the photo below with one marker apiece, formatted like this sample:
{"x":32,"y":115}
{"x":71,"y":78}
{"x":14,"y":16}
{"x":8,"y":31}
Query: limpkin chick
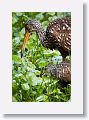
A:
{"x":61,"y":71}
{"x":57,"y":35}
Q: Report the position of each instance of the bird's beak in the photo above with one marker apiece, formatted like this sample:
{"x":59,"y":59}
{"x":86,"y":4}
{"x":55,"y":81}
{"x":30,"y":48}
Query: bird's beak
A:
{"x":26,"y":37}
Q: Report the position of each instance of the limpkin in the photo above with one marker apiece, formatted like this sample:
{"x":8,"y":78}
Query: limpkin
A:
{"x":61,"y":71}
{"x":57,"y":35}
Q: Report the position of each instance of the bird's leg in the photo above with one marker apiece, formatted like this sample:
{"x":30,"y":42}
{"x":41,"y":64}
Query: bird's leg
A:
{"x":26,"y":37}
{"x":63,"y":58}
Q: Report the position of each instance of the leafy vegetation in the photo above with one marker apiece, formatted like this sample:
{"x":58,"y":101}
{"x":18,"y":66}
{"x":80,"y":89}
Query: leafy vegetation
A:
{"x":30,"y":80}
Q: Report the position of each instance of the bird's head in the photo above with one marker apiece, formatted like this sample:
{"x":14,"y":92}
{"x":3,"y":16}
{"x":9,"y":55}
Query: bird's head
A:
{"x":30,"y":26}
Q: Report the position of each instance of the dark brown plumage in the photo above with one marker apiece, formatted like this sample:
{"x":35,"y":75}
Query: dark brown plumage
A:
{"x":61,"y":71}
{"x":57,"y":35}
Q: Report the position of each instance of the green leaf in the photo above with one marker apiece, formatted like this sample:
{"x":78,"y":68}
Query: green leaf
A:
{"x":42,"y":63}
{"x":36,"y":81}
{"x":41,"y":98}
{"x":25,"y":86}
{"x":15,"y":58}
{"x":37,"y":72}
{"x":14,"y":99}
{"x":51,"y":13}
{"x":39,"y":16}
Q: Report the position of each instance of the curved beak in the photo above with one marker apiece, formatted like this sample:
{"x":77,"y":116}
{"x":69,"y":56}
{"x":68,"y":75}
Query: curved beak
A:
{"x":26,"y":37}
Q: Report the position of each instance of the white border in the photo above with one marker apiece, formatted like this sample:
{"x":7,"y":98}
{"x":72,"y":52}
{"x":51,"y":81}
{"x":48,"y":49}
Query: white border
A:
{"x":76,"y":104}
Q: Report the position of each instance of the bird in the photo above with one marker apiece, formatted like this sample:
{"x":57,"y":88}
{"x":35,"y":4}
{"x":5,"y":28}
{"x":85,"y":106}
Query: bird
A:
{"x":57,"y":35}
{"x":61,"y":71}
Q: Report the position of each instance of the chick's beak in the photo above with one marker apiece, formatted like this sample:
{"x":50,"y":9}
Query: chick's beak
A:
{"x":26,"y":37}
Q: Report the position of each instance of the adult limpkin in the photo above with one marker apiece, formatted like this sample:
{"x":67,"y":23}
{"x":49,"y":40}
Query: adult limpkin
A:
{"x":57,"y":35}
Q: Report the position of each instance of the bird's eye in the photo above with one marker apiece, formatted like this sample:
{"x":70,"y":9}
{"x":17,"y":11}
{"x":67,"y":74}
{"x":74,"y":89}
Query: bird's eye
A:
{"x":27,"y":26}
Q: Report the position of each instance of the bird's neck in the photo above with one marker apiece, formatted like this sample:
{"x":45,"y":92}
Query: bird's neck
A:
{"x":41,"y":35}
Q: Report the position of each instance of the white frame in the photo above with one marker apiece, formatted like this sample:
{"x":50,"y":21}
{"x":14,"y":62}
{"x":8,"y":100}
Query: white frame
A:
{"x":76,"y":104}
